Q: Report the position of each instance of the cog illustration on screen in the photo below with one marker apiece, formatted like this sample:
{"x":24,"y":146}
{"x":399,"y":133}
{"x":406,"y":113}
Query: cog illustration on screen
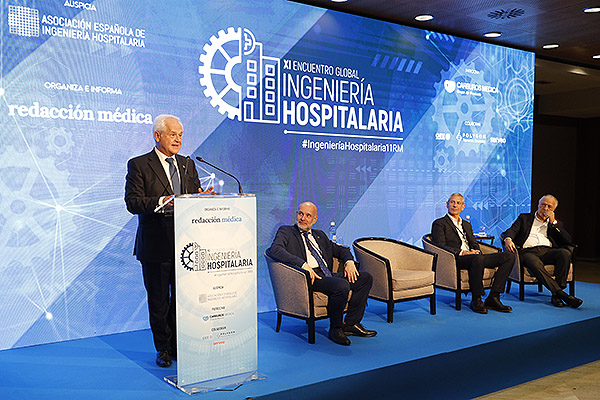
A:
{"x":222,"y":55}
{"x":34,"y":200}
{"x":60,"y":142}
{"x":239,"y":80}
{"x":515,"y":100}
{"x":441,"y":161}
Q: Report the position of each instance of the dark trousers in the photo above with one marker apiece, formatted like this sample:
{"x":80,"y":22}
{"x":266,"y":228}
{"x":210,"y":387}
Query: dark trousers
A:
{"x":159,"y":280}
{"x":475,"y":263}
{"x":338,"y":288}
{"x":534,"y":259}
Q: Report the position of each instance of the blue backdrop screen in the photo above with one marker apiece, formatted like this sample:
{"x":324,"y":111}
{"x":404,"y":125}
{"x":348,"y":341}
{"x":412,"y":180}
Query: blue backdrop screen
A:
{"x":374,"y":122}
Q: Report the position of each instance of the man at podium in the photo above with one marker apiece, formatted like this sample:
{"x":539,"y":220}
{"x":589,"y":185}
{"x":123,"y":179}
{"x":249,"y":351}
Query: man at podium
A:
{"x":152,"y":179}
{"x":311,"y":250}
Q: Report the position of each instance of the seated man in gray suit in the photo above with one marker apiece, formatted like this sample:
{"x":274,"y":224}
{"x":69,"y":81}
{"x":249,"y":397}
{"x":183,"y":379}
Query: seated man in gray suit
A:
{"x":544,"y":240}
{"x":310,"y":249}
{"x":456,"y":235}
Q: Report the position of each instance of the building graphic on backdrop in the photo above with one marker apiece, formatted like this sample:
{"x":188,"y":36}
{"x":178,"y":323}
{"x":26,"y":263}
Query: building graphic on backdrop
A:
{"x":257,"y":98}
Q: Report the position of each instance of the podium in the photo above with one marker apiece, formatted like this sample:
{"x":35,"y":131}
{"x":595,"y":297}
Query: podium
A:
{"x":215,"y":272}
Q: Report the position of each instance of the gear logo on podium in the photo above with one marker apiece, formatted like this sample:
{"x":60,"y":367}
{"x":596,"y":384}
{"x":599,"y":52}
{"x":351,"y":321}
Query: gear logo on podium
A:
{"x":193,"y":257}
{"x":239,"y":79}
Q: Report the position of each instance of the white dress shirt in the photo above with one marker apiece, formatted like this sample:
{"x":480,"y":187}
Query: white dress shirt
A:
{"x":538,"y":236}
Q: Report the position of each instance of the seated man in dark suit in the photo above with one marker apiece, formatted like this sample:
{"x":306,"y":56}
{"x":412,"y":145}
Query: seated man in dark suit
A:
{"x":456,"y":235}
{"x":311,"y":250}
{"x":544,"y":240}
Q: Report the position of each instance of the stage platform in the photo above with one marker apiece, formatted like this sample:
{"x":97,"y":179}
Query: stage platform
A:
{"x":451,"y":355}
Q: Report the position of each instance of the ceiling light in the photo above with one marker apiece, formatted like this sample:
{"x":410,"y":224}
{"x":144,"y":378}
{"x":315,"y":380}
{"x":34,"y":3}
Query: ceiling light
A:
{"x":597,"y":56}
{"x":550,"y":46}
{"x":492,"y":34}
{"x":424,"y":17}
{"x":578,"y":71}
{"x":339,"y":1}
{"x":591,"y":10}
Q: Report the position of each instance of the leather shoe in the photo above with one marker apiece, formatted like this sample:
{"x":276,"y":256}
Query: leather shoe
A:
{"x":358,"y":330}
{"x":163,"y":359}
{"x":477,"y":306}
{"x":556,"y":302}
{"x":571,"y":301}
{"x":494,"y":303}
{"x":337,"y":336}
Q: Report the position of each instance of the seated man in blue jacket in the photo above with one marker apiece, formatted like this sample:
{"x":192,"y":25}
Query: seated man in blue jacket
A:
{"x":310,"y":249}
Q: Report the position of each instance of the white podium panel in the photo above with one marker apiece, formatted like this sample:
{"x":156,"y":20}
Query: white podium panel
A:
{"x":215,"y":246}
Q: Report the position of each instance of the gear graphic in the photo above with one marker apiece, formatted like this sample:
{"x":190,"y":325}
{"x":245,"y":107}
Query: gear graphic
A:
{"x":189,"y":256}
{"x":515,"y":100}
{"x":34,"y":224}
{"x":222,"y":54}
{"x":60,"y":141}
{"x":441,"y":160}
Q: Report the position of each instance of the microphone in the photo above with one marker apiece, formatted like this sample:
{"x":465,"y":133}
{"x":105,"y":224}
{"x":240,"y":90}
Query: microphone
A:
{"x":225,"y":172}
{"x":185,"y":168}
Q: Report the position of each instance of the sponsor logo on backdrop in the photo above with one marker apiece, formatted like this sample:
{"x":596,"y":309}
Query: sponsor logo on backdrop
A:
{"x":27,"y":22}
{"x":31,"y":23}
{"x":450,"y":86}
{"x":195,"y":258}
{"x":288,"y":91}
{"x":468,"y":88}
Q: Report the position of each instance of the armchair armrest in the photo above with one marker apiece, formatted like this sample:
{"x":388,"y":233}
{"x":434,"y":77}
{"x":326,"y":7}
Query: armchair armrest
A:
{"x":291,"y":287}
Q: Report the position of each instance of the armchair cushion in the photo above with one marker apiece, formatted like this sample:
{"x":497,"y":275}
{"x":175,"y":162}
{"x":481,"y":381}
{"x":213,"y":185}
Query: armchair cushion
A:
{"x":400,"y":271}
{"x":409,"y":279}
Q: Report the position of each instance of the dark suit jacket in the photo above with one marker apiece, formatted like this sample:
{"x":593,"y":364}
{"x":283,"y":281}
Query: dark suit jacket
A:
{"x":146,"y":182}
{"x":445,"y":234}
{"x":288,"y":247}
{"x":520,"y":229}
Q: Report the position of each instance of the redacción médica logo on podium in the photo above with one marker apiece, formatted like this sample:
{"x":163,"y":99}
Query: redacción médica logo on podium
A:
{"x":217,"y":220}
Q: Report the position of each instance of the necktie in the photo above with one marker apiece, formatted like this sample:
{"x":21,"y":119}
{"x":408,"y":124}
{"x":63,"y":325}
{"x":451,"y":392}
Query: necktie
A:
{"x":316,"y":255}
{"x":174,"y":176}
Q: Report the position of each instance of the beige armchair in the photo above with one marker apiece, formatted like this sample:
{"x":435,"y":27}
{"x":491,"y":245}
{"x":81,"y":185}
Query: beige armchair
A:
{"x":401,"y":272}
{"x":521,"y":276}
{"x":294,"y":295}
{"x":448,"y":276}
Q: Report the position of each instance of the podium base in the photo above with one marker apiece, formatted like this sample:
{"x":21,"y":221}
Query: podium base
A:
{"x":227,"y":383}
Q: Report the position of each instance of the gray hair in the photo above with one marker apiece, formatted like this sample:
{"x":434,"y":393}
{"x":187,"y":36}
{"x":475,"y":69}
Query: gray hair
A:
{"x":548,"y":195}
{"x":457,"y":195}
{"x":160,"y":122}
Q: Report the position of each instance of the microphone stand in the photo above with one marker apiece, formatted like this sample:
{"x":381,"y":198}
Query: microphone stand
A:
{"x":225,"y":172}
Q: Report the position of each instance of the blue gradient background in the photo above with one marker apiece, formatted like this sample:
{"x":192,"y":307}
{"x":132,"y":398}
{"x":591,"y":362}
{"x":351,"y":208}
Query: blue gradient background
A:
{"x":65,"y":236}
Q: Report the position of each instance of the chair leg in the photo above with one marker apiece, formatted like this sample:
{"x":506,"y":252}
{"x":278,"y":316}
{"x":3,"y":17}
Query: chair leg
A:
{"x":432,"y":309}
{"x":572,"y":288}
{"x":278,"y":326}
{"x":458,"y":303}
{"x":508,"y":286}
{"x":521,"y":291}
{"x":390,"y":311}
{"x":311,"y":331}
